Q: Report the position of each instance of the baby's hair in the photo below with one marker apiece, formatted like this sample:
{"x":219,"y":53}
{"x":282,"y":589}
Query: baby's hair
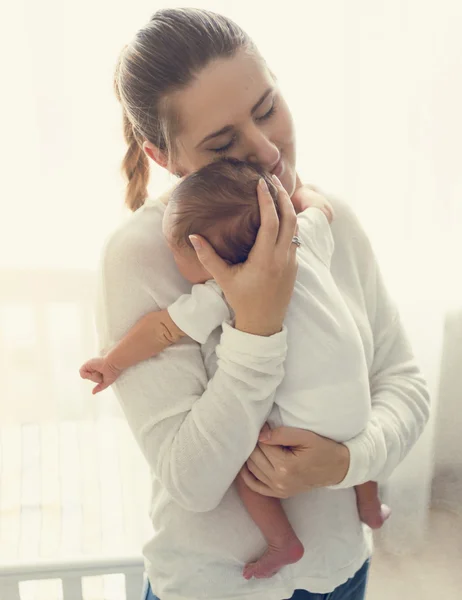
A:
{"x":219,"y":202}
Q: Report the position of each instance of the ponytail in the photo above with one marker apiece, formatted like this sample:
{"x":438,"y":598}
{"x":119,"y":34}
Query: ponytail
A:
{"x":135,"y":168}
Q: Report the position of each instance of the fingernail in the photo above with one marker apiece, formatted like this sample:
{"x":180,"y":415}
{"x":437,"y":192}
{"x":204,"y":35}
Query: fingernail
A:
{"x":195,"y":241}
{"x":264,"y":436}
{"x":276,"y":180}
{"x":263,"y":185}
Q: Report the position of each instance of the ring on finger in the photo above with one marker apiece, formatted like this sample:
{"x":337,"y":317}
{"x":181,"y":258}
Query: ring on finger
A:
{"x":297,"y":241}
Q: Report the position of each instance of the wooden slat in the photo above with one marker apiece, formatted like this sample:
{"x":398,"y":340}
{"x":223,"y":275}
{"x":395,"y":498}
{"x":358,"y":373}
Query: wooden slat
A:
{"x":10,"y":496}
{"x":93,"y":588}
{"x":114,"y":586}
{"x":30,"y":493}
{"x":51,"y":494}
{"x":72,"y":588}
{"x":133,"y":586}
{"x":9,"y":590}
{"x":71,"y":497}
{"x":91,"y":492}
{"x":111,"y":493}
{"x":131,"y":461}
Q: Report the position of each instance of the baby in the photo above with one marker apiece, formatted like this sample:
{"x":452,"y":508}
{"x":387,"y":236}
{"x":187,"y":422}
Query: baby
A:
{"x":219,"y":202}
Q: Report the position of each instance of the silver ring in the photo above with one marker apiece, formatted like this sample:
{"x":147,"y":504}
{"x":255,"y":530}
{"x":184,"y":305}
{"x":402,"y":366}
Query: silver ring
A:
{"x":297,"y":241}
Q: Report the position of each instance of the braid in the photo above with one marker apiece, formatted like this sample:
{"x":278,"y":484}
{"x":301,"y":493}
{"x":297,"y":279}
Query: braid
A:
{"x":135,"y":167}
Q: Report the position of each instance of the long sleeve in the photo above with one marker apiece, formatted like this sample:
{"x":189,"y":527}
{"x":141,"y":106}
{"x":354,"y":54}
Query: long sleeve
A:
{"x":195,"y":434}
{"x":200,"y":312}
{"x":399,"y":395}
{"x":315,"y":231}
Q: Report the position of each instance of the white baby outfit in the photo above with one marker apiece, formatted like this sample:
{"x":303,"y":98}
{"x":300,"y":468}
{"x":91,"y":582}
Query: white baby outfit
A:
{"x":324,"y":387}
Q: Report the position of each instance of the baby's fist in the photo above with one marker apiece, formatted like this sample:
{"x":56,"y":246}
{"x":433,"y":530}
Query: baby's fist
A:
{"x":100,"y":371}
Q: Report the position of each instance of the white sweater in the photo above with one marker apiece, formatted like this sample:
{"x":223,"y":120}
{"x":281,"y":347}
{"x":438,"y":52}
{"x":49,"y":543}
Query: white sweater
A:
{"x":196,"y":432}
{"x":326,"y":384}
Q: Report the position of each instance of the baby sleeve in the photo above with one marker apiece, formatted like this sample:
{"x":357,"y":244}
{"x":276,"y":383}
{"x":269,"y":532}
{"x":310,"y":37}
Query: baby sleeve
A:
{"x":315,"y":232}
{"x":200,"y":312}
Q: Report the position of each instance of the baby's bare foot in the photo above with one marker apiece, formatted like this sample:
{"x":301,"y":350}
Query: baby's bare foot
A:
{"x":374,"y":515}
{"x":275,"y":557}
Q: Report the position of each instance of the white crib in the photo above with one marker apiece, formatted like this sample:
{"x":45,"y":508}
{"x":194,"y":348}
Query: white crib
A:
{"x":71,"y":574}
{"x":74,"y":487}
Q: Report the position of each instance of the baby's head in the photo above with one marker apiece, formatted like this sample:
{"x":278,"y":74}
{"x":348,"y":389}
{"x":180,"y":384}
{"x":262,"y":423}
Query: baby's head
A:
{"x":218,"y":202}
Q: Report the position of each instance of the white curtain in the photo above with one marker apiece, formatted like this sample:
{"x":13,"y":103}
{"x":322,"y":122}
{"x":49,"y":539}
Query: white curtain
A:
{"x":376,"y":90}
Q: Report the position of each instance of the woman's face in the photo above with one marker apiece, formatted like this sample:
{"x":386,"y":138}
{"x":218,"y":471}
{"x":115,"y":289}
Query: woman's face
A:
{"x":233,"y":108}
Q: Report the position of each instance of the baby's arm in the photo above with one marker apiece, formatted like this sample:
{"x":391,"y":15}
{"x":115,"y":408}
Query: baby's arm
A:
{"x":148,"y":337}
{"x":198,"y":314}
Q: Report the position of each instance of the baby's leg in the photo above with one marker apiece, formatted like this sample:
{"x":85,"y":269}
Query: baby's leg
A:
{"x":284,"y":547}
{"x":371,"y":511}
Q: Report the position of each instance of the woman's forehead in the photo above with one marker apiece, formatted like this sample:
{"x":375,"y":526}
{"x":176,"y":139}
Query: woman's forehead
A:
{"x":222,"y":94}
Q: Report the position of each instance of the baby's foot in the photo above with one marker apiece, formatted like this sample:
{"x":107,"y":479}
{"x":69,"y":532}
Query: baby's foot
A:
{"x":374,"y":514}
{"x":275,"y":557}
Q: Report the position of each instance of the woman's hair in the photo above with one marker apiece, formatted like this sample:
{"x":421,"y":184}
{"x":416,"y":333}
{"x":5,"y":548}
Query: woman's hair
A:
{"x":219,"y":202}
{"x":165,"y":56}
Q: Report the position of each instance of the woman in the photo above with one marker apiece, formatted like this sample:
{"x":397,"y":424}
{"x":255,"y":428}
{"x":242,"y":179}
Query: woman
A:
{"x":193,"y":87}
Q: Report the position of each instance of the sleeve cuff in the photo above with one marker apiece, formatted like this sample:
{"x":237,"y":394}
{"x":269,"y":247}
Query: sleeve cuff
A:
{"x":359,"y":465}
{"x":271,"y":346}
{"x":199,"y":313}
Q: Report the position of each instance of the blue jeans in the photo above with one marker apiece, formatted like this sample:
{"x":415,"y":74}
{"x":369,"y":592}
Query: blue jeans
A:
{"x":353,"y":589}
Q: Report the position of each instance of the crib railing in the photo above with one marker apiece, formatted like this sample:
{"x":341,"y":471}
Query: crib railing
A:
{"x":52,"y":426}
{"x":70,"y":573}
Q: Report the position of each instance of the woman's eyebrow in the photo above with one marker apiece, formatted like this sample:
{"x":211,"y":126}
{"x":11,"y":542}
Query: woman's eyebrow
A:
{"x":223,"y":130}
{"x":228,"y":128}
{"x":262,"y":99}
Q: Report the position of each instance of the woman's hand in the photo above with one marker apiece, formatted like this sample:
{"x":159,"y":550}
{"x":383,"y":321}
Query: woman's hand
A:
{"x":259,"y":290}
{"x":288,"y":461}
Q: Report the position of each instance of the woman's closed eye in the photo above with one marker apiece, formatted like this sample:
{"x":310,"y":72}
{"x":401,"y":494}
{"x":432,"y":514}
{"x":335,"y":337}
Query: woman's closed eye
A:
{"x":269,"y":113}
{"x":225,"y":147}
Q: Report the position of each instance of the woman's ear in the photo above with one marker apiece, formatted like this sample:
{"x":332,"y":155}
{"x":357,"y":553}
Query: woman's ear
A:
{"x":155,"y":154}
{"x":161,"y":158}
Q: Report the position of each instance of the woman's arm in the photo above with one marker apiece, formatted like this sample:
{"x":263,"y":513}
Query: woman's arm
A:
{"x":399,"y":394}
{"x":399,"y":399}
{"x":194,"y":433}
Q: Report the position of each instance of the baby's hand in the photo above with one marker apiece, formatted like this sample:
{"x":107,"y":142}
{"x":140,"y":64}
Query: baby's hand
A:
{"x":100,"y":371}
{"x":307,"y":197}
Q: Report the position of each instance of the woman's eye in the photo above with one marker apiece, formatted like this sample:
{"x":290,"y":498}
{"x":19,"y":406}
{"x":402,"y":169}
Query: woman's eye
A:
{"x":223,"y":148}
{"x":268,"y":114}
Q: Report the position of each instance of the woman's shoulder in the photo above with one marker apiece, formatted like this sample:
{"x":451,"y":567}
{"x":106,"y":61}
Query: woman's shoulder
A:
{"x":347,"y":228}
{"x":137,"y":241}
{"x":353,"y":253}
{"x":136,"y":249}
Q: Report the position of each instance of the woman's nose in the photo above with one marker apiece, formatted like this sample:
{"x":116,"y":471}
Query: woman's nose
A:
{"x":262,"y":150}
